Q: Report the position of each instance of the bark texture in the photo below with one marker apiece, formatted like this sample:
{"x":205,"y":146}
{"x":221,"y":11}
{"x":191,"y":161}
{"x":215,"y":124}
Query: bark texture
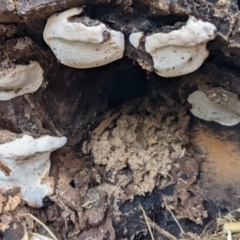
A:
{"x":74,"y":102}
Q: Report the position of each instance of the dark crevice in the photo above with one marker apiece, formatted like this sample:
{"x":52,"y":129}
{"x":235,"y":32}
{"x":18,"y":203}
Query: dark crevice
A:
{"x":222,"y":62}
{"x":128,"y":85}
{"x":169,"y":20}
{"x":72,"y":184}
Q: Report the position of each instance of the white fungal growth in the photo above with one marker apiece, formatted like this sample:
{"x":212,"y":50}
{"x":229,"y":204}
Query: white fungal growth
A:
{"x":25,"y":164}
{"x":135,"y":38}
{"x":19,"y":80}
{"x":180,"y":51}
{"x":82,"y":42}
{"x":225,"y":112}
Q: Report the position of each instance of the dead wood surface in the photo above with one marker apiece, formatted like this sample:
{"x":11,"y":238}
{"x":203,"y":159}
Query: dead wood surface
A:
{"x":99,"y":199}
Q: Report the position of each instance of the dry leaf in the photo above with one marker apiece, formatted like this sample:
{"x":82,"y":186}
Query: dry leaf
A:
{"x":12,"y":204}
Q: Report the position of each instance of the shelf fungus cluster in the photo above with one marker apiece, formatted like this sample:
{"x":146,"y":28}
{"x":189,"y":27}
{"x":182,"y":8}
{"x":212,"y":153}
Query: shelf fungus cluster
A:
{"x":81,"y":42}
{"x":25,"y":164}
{"x":17,"y":80}
{"x":178,"y":52}
{"x":220,"y":106}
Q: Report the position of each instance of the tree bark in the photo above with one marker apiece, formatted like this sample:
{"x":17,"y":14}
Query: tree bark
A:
{"x":73,"y":102}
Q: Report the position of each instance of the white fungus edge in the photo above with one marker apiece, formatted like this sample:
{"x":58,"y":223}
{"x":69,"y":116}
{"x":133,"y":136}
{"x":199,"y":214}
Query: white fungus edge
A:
{"x":20,"y":80}
{"x":134,"y":38}
{"x":28,"y":160}
{"x":181,"y":51}
{"x":205,"y":109}
{"x":65,"y":38}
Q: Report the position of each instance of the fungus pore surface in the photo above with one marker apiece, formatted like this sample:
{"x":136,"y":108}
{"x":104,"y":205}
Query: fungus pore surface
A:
{"x":25,"y":164}
{"x":220,"y":106}
{"x":178,"y":52}
{"x":81,"y":42}
{"x":20,"y":79}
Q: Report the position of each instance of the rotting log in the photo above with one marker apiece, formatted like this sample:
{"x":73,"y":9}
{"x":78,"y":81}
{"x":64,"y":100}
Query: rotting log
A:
{"x":74,"y":102}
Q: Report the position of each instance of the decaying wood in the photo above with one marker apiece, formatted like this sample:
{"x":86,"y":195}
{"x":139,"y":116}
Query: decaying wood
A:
{"x":74,"y":102}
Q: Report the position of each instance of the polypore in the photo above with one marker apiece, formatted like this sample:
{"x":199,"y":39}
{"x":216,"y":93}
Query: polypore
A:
{"x":81,"y":42}
{"x":225,"y":111}
{"x":135,"y":38}
{"x":180,"y":51}
{"x":20,"y":79}
{"x":25,"y":164}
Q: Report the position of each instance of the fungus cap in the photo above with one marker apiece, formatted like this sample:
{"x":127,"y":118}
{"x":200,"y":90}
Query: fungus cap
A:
{"x":181,"y":51}
{"x":19,"y":80}
{"x":25,"y":164}
{"x":135,"y":38}
{"x":78,"y":44}
{"x":227,"y":114}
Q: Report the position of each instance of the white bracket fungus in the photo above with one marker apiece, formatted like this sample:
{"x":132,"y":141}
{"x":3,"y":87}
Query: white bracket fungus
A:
{"x":178,"y":52}
{"x":225,"y":112}
{"x":135,"y":38}
{"x":82,"y":42}
{"x":25,"y":164}
{"x":19,"y":80}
